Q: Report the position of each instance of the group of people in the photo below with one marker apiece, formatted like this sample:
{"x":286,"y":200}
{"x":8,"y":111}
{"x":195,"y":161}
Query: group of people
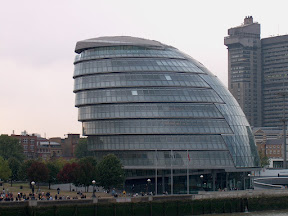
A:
{"x":5,"y":195}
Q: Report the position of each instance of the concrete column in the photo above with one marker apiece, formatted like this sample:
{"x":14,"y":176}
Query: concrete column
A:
{"x":244,"y":178}
{"x":227,"y":178}
{"x":32,"y":202}
{"x":156,"y":181}
{"x":213,"y":179}
{"x":163,"y":182}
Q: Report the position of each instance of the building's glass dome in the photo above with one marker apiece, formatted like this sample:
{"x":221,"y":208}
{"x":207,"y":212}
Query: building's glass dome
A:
{"x":154,"y":106}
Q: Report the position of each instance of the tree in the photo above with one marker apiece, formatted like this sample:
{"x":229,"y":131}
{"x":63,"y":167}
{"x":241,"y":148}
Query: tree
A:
{"x":85,"y":172}
{"x":59,"y":163}
{"x":10,"y":147}
{"x":264,"y":160}
{"x":68,"y":173}
{"x":53,"y":170}
{"x":5,"y":171}
{"x":14,"y":165}
{"x":38,"y":172}
{"x":110,"y":172}
{"x":82,"y":149}
{"x":22,"y":173}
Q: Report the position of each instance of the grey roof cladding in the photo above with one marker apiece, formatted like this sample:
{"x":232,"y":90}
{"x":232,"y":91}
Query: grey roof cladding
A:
{"x":117,"y":41}
{"x":274,"y":142}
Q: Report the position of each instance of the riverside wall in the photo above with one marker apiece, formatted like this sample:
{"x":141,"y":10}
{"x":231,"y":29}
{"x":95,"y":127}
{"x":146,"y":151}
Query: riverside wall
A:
{"x":166,"y":205}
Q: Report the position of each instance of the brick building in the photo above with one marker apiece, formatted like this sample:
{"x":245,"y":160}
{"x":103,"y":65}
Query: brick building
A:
{"x":29,"y":143}
{"x":35,"y":146}
{"x":269,"y":141}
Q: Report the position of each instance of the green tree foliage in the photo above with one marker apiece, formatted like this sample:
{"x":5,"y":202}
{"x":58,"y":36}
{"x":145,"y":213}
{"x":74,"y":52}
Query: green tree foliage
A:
{"x":88,"y":160}
{"x":10,"y":147}
{"x":110,"y":172}
{"x":81,"y":150}
{"x":264,"y":160}
{"x":22,"y":173}
{"x":85,"y":172}
{"x":38,"y":172}
{"x":5,"y":171}
{"x":14,"y":165}
{"x":53,"y":170}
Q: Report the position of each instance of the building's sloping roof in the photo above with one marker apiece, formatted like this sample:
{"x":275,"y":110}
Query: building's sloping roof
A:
{"x":117,"y":41}
{"x":274,"y":142}
{"x":267,"y":130}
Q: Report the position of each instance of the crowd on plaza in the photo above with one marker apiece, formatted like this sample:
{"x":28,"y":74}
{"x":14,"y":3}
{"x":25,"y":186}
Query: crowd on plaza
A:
{"x":5,"y":195}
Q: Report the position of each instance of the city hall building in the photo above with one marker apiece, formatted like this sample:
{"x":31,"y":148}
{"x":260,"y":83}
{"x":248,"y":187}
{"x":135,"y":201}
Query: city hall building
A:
{"x":163,"y":114}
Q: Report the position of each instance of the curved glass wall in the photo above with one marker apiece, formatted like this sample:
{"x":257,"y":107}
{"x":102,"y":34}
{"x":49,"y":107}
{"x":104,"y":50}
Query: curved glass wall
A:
{"x":149,"y":110}
{"x":126,"y":51}
{"x":134,"y":65}
{"x":155,"y":107}
{"x":241,"y":143}
{"x":131,"y":95}
{"x":158,"y":142}
{"x":138,"y":80}
{"x":156,"y":126}
{"x":175,"y":159}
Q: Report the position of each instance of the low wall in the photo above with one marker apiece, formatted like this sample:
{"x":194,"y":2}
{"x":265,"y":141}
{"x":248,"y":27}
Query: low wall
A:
{"x":197,"y":204}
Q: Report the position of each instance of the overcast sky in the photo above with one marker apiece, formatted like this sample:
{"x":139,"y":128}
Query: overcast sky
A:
{"x":38,"y":38}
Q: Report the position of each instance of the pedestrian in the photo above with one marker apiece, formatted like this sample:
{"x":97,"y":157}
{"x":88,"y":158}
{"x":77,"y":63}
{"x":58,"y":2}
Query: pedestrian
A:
{"x":58,"y":190}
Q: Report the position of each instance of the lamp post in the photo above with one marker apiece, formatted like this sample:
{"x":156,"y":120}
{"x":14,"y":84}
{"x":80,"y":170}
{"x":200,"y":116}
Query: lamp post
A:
{"x":251,"y":181}
{"x":201,"y":177}
{"x":32,"y":184}
{"x":93,"y":182}
{"x":148,"y":185}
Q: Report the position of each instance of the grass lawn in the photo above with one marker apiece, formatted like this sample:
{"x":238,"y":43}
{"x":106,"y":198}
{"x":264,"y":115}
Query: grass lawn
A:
{"x":15,"y":189}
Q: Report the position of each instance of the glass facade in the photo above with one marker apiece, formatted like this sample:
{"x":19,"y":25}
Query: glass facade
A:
{"x":157,"y":108}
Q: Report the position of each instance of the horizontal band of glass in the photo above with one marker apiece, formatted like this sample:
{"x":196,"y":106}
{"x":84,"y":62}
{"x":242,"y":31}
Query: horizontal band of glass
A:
{"x":160,"y":142}
{"x":134,"y":65}
{"x":126,"y":51}
{"x":191,"y":159}
{"x":242,"y":149}
{"x":223,"y":92}
{"x":156,"y":126}
{"x":148,"y":110}
{"x":139,"y":80}
{"x":146,"y":95}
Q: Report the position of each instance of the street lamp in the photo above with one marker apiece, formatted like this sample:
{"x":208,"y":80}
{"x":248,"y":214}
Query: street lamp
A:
{"x":201,"y":177}
{"x":148,"y":184}
{"x":93,"y":182}
{"x":251,"y":180}
{"x":32,"y":184}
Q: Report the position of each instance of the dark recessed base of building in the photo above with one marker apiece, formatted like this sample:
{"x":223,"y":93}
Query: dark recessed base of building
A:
{"x":148,"y":181}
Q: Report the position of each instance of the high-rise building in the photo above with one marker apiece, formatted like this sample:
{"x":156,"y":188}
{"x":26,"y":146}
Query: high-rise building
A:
{"x":244,"y":68}
{"x":257,"y":73}
{"x":275,"y":79}
{"x":163,"y":114}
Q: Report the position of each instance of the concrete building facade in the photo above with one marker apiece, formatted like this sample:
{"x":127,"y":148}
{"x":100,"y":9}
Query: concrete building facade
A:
{"x":257,"y":73}
{"x":244,"y":68}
